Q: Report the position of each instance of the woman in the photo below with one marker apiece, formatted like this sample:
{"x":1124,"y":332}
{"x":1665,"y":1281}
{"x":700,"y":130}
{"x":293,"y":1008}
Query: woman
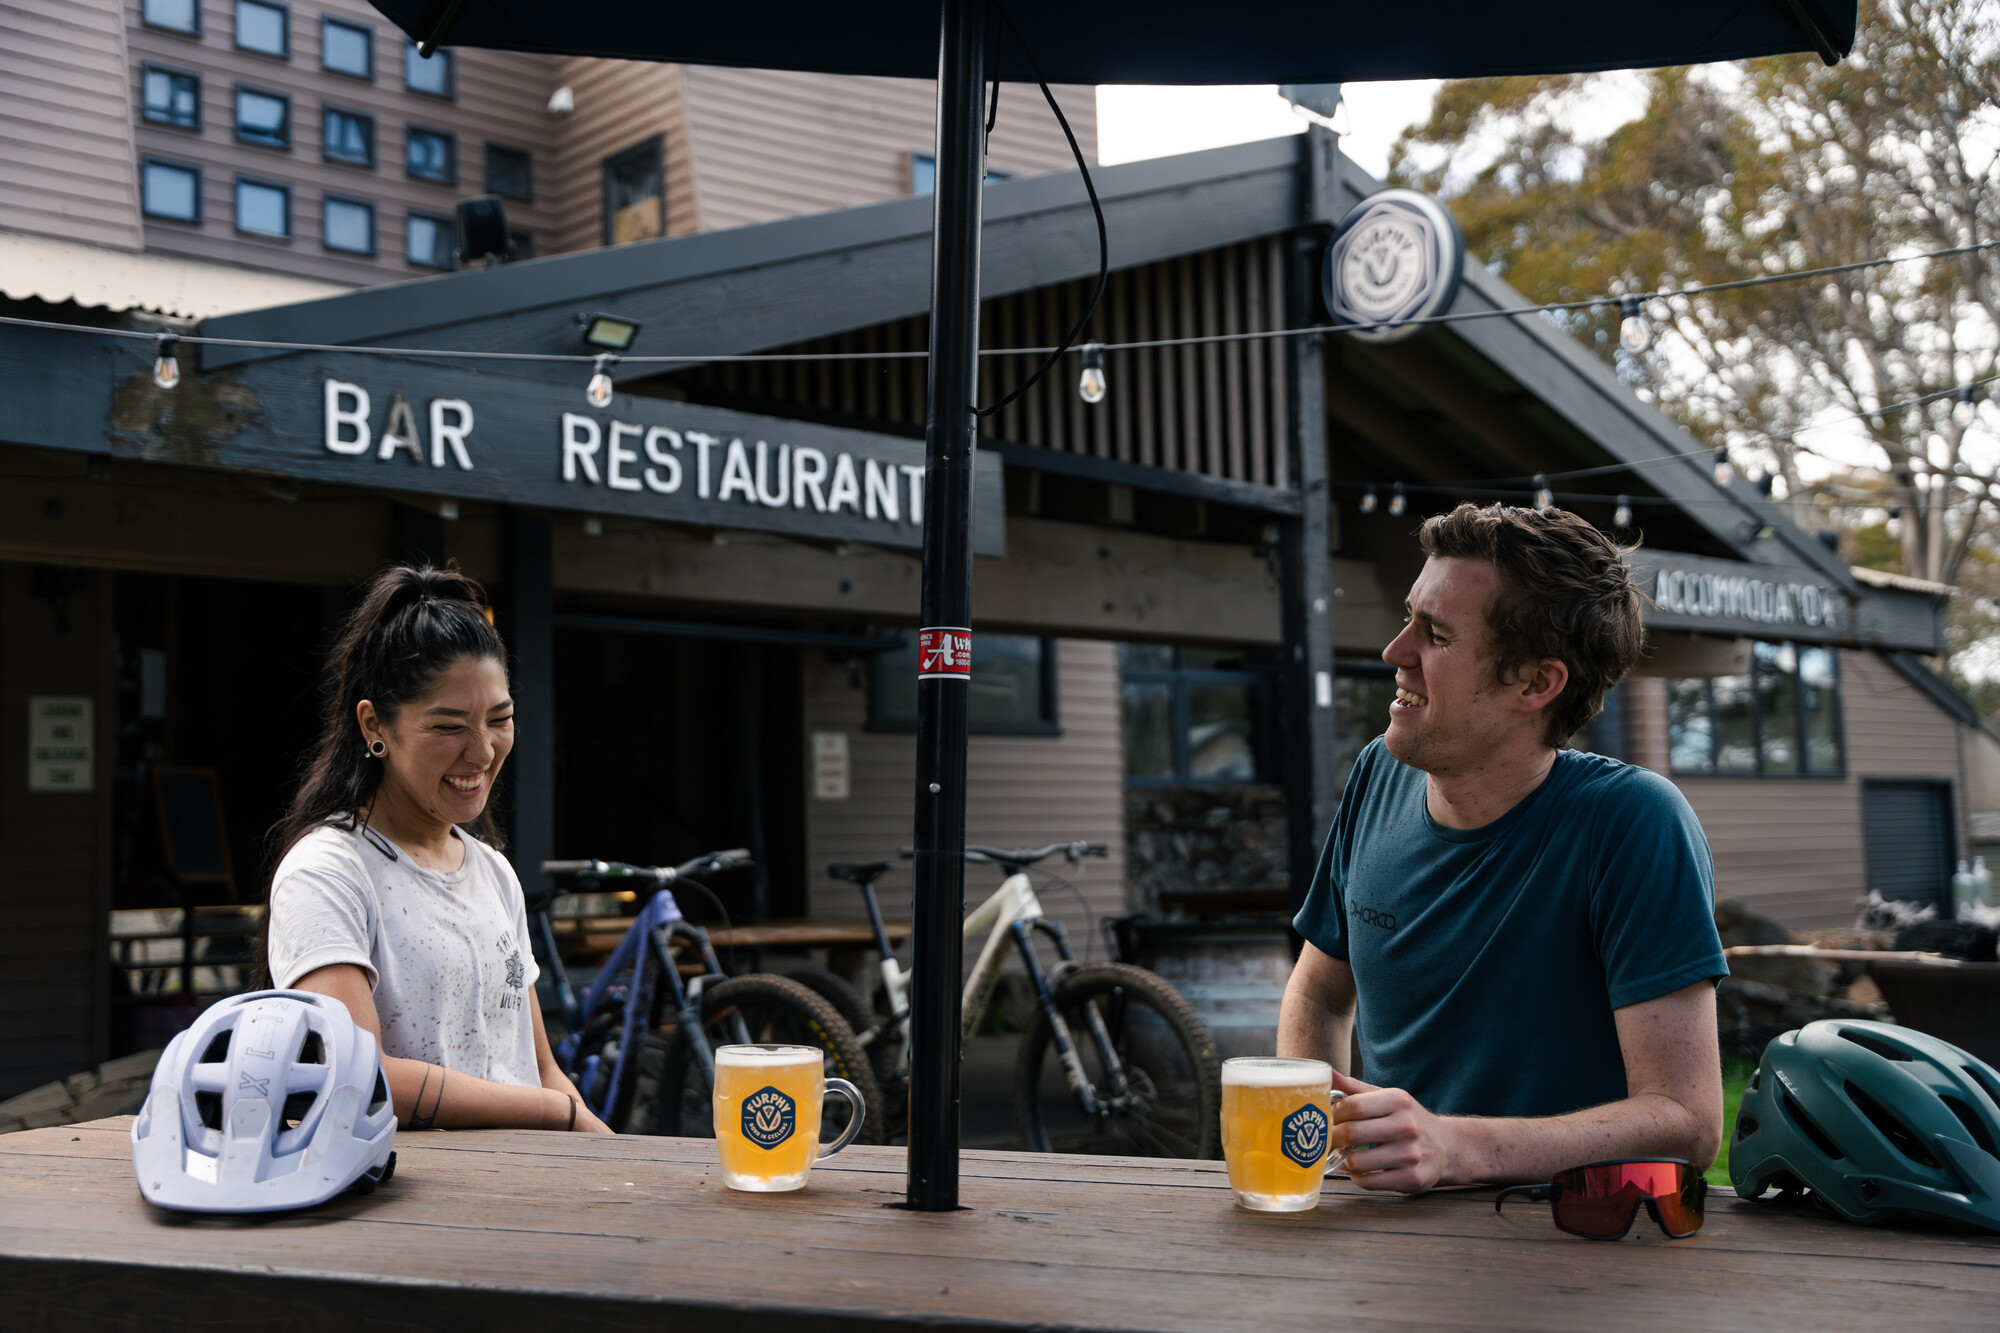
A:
{"x":384,"y":900}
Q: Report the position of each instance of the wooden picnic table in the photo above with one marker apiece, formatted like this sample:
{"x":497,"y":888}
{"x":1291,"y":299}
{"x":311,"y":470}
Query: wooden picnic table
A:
{"x":500,"y":1230}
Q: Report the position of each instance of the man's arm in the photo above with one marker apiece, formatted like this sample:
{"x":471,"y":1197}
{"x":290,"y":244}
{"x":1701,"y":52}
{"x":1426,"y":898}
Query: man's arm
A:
{"x":1672,"y":1108}
{"x":1316,"y":1019}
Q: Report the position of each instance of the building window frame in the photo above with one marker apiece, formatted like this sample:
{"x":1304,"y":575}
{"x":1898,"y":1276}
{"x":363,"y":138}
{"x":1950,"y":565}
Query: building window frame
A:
{"x":653,"y":151}
{"x":447,"y":226}
{"x":147,"y":19}
{"x":411,"y":61}
{"x":259,"y":182}
{"x":327,"y":201}
{"x":284,"y":12}
{"x":327,"y":111}
{"x":283,"y":143}
{"x":1760,"y":727}
{"x":169,"y":164}
{"x":450,"y":141}
{"x":526,"y":194}
{"x":366,"y":32}
{"x":882,"y":718}
{"x":147,"y":71}
{"x":1181,"y":680}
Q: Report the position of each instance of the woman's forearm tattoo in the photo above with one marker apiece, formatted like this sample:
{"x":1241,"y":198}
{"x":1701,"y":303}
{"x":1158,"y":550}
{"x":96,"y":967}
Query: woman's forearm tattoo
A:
{"x":418,"y":1120}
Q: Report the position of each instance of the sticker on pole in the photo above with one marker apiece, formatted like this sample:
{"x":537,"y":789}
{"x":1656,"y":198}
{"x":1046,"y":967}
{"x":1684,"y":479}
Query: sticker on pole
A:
{"x":944,"y":654}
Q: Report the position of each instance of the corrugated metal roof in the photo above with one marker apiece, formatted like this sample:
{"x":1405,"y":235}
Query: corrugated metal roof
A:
{"x":47,"y":269}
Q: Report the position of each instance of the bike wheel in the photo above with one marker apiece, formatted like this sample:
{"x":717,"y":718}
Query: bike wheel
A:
{"x":884,"y":1046}
{"x":1173,"y":1105}
{"x":771,"y":1009}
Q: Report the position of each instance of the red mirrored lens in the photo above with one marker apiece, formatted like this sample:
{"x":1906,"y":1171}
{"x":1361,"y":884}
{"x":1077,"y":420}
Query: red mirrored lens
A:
{"x":1600,"y":1200}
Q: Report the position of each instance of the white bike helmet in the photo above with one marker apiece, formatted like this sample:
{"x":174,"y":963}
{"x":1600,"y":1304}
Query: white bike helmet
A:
{"x":271,"y":1100}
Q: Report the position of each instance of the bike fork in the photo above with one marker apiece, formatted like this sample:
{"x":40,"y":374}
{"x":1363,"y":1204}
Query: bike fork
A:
{"x":1072,"y":1063}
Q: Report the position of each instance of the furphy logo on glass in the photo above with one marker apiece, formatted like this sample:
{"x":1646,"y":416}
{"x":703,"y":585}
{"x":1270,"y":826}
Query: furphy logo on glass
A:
{"x":769,"y":1117}
{"x":1302,"y":1135}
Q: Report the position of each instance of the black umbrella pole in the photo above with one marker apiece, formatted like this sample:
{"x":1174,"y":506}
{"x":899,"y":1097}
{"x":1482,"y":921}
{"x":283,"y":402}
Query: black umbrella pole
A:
{"x":944,"y":651}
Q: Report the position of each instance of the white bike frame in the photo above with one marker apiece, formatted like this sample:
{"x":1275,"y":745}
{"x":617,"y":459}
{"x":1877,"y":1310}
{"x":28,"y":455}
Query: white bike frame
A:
{"x":1014,"y":901}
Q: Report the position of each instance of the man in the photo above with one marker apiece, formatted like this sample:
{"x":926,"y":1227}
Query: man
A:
{"x":1528,"y":930}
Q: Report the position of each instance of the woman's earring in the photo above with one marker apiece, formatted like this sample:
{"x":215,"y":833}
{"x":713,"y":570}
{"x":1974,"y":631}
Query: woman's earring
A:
{"x":377,"y":748}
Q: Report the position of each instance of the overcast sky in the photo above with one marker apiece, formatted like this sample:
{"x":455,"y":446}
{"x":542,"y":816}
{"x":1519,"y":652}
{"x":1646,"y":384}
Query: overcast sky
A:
{"x":1135,"y":122}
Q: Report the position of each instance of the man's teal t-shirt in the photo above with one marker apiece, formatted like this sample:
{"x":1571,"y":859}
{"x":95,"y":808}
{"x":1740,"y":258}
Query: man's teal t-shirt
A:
{"x":1488,"y":961}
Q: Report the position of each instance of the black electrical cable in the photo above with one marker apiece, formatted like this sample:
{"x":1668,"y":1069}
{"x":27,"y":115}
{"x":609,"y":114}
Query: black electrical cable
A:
{"x":1096,"y":209}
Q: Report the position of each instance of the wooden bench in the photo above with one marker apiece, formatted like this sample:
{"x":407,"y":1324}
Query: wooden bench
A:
{"x":591,"y":939}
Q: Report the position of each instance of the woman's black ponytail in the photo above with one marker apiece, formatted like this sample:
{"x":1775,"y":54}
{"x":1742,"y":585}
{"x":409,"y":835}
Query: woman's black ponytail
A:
{"x":413,"y":624}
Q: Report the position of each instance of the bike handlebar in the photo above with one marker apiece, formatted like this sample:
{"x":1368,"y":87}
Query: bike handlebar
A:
{"x":1073,"y":852}
{"x":735,"y":858}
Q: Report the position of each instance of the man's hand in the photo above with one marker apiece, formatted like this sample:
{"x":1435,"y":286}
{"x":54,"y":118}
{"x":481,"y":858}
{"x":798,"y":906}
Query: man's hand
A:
{"x":1391,"y":1142}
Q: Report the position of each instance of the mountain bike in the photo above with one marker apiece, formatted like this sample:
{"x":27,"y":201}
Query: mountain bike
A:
{"x":1115,"y":1061}
{"x":639,"y":1043}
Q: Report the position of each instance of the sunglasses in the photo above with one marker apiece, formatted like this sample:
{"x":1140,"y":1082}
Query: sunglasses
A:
{"x":1599,"y":1201}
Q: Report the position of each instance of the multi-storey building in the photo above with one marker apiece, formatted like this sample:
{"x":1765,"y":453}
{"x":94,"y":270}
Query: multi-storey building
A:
{"x":311,"y":140}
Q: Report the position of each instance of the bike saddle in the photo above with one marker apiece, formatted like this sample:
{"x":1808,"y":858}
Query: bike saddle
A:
{"x":866,"y":873}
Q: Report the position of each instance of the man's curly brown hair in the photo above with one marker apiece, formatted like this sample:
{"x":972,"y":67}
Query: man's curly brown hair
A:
{"x":1565,"y":592}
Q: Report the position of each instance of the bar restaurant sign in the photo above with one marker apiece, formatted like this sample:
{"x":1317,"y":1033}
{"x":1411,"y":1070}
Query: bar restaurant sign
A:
{"x":1758,"y":601}
{"x":473,"y":433}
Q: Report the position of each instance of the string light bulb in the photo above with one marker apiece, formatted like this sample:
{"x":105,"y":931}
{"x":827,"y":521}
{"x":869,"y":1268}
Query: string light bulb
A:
{"x":1398,"y":502}
{"x":166,"y":361}
{"x":1633,"y":334}
{"x":1966,"y":410}
{"x":1723,"y":470}
{"x":1368,"y":500}
{"x":598,"y":391}
{"x":1621,"y":517}
{"x":1090,"y":386}
{"x":1544,"y":497}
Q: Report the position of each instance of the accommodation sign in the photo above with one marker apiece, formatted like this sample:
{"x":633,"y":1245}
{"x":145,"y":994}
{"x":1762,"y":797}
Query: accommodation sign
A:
{"x":1724,"y":596}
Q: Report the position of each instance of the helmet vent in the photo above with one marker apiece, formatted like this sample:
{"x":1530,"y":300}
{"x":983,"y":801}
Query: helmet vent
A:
{"x":1746,"y":1125}
{"x":311,"y":1050}
{"x":1892,"y":1129}
{"x":297,"y":1107}
{"x":1970,"y":1119}
{"x":208,"y":1105}
{"x":1868,"y":1041}
{"x":218,"y":1049}
{"x":1811,"y":1130}
{"x":381,"y":1094}
{"x":1982,"y":1078}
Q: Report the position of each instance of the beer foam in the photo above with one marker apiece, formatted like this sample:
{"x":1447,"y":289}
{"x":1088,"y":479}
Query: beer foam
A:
{"x":1274,"y":1073}
{"x":767,"y":1057}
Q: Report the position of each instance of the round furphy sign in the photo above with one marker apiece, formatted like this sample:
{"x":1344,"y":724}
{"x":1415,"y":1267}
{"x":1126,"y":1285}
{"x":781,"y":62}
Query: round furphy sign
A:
{"x":1396,"y":257}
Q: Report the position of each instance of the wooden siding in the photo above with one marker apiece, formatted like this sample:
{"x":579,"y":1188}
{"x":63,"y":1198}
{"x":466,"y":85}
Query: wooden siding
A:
{"x":501,"y":97}
{"x":619,"y":104}
{"x":1021,"y":790}
{"x":772,"y":143}
{"x":1792,"y":847}
{"x":66,"y":166}
{"x":1217,"y":410}
{"x":55,"y":891}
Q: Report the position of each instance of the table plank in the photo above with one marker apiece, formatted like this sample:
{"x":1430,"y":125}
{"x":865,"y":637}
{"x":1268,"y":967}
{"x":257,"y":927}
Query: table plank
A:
{"x":517,"y":1228}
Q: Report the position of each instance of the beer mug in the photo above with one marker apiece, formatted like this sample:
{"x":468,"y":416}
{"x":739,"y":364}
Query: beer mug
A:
{"x":767,"y":1111}
{"x":1276,"y":1115}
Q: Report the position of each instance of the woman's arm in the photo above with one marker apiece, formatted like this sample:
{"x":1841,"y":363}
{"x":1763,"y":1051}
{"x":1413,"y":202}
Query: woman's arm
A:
{"x":428,"y":1096}
{"x":553,"y":1077}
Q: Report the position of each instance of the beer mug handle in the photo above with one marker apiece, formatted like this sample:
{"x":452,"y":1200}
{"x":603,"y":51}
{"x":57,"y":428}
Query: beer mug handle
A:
{"x":853,"y":1096}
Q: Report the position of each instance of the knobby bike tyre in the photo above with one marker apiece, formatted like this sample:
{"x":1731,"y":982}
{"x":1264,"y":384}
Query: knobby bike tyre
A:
{"x":774,"y":1009}
{"x":883,"y":1052}
{"x":1170,"y":1065}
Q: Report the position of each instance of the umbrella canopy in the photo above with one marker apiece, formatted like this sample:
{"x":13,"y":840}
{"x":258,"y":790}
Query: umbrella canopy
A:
{"x":1161,"y":41}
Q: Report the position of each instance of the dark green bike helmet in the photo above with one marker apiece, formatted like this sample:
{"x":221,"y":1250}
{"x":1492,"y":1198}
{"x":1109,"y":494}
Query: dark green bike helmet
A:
{"x":1878,"y":1121}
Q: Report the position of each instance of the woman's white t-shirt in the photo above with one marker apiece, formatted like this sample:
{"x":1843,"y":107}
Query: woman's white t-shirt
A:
{"x":447,"y":954}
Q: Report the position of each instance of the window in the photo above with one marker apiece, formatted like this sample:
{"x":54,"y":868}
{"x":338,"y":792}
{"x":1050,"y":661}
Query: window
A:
{"x":349,"y":225}
{"x":172,"y":97}
{"x":264,"y":27}
{"x":429,"y":242}
{"x":1781,"y":720}
{"x":347,"y":48}
{"x":509,"y":172}
{"x":923,"y":174}
{"x":432,"y":76}
{"x":264,"y":118}
{"x":1194,"y":715}
{"x":263,"y":208}
{"x":174,"y":15}
{"x":635,"y":196}
{"x":170,"y":190}
{"x":348,"y":136}
{"x":431,"y":155}
{"x":1012,"y":691}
